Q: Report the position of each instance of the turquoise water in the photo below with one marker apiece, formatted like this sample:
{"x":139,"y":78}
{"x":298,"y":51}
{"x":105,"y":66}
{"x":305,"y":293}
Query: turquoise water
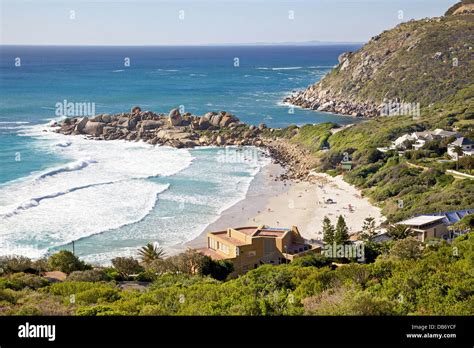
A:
{"x":112,"y":197}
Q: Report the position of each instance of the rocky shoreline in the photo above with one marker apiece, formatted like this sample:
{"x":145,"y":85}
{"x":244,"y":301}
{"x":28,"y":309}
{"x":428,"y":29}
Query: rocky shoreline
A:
{"x":315,"y":99}
{"x":189,"y":131}
{"x":297,"y":161}
{"x":319,"y":98}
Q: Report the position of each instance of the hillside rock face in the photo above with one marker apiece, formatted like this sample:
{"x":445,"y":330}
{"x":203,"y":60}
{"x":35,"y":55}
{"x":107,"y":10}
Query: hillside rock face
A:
{"x":463,"y":7}
{"x":418,"y":62}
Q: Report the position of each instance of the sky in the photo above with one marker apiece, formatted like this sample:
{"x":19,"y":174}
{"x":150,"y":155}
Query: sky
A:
{"x":200,"y":22}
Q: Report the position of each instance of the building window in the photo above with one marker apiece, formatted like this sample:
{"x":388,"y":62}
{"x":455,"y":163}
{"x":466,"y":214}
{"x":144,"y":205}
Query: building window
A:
{"x":222,"y":247}
{"x":251,"y":253}
{"x":268,"y":246}
{"x":212,"y":243}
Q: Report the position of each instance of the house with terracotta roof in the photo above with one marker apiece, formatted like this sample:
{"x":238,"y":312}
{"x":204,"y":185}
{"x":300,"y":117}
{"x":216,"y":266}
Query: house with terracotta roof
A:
{"x":250,"y":247}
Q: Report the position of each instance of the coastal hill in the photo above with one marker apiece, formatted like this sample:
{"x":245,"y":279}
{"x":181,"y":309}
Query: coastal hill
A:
{"x":423,"y":61}
{"x":427,"y":63}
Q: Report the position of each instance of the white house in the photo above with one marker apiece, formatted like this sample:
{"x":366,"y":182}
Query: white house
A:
{"x":444,"y":133}
{"x":466,"y":144}
{"x":399,"y":142}
{"x":419,"y":139}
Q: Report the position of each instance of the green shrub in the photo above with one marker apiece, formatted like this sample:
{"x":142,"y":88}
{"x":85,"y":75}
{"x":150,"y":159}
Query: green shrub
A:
{"x":19,"y":281}
{"x":127,"y":266}
{"x":14,"y":263}
{"x":313,"y":260}
{"x":97,"y":295}
{"x":65,"y":261}
{"x":93,"y":311}
{"x":93,"y":275}
{"x":8,"y":295}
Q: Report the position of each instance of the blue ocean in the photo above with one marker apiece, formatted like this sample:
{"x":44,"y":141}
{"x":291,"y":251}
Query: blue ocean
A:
{"x":112,"y":197}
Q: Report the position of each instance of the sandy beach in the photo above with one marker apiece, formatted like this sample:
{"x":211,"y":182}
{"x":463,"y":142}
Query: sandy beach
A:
{"x":302,"y":204}
{"x":305,"y":205}
{"x":262,"y":189}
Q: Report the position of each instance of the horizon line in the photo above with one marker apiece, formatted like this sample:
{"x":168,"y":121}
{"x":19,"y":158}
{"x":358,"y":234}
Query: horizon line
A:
{"x":308,"y":43}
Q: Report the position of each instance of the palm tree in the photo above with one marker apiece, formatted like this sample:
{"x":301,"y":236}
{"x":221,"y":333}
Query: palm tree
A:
{"x":399,"y":231}
{"x":151,"y":252}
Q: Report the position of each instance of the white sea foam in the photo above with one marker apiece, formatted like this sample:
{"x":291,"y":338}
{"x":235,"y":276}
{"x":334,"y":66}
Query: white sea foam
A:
{"x":70,"y":167}
{"x":102,"y":186}
{"x":281,"y":68}
{"x":183,"y":214}
{"x":11,"y":127}
{"x":106,"y":186}
{"x":320,"y":66}
{"x":14,"y":122}
{"x":63,"y":144}
{"x":289,"y":68}
{"x":79,"y":214}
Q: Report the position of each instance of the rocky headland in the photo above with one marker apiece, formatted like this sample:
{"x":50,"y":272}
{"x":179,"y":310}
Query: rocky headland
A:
{"x":188,"y":131}
{"x":175,"y":130}
{"x":416,"y":64}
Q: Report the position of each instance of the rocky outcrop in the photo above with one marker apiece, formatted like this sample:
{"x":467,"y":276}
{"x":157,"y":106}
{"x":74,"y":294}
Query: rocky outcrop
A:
{"x":318,"y":99}
{"x":151,"y":124}
{"x":80,"y":124}
{"x":93,"y":128}
{"x":136,"y":110}
{"x":175,"y":118}
{"x":404,"y":64}
{"x":174,"y":130}
{"x":463,"y":7}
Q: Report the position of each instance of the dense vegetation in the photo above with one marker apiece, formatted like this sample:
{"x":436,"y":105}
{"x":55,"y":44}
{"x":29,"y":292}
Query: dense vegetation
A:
{"x":409,"y":278}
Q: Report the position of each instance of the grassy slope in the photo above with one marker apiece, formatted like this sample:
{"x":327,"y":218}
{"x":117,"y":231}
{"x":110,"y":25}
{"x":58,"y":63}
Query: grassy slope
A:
{"x":446,"y":94}
{"x":401,"y":63}
{"x":388,"y":181}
